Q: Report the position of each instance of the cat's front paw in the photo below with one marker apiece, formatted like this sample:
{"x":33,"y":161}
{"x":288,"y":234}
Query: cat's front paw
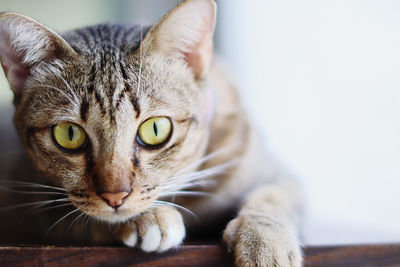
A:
{"x":261,"y":241}
{"x":157,"y":230}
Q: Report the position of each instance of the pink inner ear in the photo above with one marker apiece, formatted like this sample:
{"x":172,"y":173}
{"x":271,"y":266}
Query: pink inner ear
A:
{"x":17,"y":78}
{"x":186,"y":32}
{"x":199,"y":56}
{"x":14,"y":70}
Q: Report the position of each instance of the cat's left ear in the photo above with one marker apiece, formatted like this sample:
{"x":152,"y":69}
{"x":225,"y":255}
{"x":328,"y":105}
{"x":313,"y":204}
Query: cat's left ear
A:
{"x":186,"y":32}
{"x":26,"y":46}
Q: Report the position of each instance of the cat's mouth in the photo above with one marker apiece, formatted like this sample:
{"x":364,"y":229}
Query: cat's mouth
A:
{"x":96,"y":207}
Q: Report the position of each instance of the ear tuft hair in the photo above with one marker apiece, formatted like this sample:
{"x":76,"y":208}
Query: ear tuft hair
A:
{"x":26,"y":47}
{"x":186,"y":32}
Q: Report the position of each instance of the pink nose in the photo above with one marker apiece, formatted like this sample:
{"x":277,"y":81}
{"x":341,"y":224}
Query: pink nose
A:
{"x":114,"y":200}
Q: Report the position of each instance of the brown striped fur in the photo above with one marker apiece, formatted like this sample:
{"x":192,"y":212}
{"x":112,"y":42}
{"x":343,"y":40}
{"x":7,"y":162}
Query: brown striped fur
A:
{"x":109,"y":79}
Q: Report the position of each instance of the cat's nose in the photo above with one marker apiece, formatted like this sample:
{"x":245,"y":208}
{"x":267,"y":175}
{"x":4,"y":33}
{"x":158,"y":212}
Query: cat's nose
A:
{"x":114,"y":200}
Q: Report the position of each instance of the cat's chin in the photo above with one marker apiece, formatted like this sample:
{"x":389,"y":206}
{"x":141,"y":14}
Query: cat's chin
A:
{"x":114,"y":216}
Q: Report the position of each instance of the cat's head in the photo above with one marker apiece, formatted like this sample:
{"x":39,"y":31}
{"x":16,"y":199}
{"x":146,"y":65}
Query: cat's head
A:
{"x":110,"y":112}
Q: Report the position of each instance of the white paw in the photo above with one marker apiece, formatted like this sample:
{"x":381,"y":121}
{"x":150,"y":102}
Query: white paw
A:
{"x":159,"y":230}
{"x":261,"y":241}
{"x":131,"y":239}
{"x":175,"y":236}
{"x":151,"y":239}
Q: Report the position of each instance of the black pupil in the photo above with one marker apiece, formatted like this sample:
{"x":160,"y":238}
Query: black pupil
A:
{"x":70,"y":133}
{"x":155,"y":128}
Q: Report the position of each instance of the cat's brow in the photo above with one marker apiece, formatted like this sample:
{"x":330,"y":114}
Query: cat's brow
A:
{"x":84,"y":109}
{"x":188,"y":120}
{"x":135,"y":104}
{"x":92,"y":78}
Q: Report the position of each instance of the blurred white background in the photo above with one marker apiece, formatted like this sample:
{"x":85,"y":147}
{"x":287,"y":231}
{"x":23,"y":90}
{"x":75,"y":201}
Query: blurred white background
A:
{"x":322,"y":80}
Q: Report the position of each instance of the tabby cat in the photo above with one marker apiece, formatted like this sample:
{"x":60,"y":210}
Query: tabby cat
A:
{"x":138,"y":127}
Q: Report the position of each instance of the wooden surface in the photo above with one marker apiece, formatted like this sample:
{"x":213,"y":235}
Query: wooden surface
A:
{"x":194,"y":256}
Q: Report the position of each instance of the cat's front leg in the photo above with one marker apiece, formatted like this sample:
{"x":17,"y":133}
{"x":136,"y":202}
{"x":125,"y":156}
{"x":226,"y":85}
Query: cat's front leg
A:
{"x":264,"y":233}
{"x":158,"y":230}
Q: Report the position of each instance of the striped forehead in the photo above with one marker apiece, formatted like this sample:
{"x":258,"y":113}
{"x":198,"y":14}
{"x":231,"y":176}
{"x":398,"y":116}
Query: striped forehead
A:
{"x":107,"y":89}
{"x":104,"y":48}
{"x":109,"y":38}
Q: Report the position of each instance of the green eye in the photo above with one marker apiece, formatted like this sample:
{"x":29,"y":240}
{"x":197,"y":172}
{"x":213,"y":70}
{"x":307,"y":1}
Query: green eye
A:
{"x":155,"y":131}
{"x":69,"y":136}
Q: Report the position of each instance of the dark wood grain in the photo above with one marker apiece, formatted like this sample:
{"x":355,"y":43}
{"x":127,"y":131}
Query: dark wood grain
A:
{"x":196,"y":256}
{"x":349,"y":256}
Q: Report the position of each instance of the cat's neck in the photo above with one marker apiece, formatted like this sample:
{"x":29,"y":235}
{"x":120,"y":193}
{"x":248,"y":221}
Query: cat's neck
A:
{"x":211,"y":102}
{"x":229,"y":124}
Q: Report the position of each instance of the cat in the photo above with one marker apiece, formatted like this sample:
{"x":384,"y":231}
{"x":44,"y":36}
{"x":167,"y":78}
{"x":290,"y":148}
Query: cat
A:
{"x":140,"y":127}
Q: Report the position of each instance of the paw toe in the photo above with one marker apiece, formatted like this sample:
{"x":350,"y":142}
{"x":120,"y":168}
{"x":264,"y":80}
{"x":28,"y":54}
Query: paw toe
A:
{"x":173,"y":237}
{"x":131,"y":240}
{"x":151,"y":239}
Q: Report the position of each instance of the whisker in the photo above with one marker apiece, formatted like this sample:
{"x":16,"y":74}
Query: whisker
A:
{"x":190,"y":178}
{"x":202,"y":174}
{"x":185,"y":193}
{"x":204,"y":184}
{"x":161,"y":202}
{"x":140,"y":61}
{"x":24,"y":215}
{"x":214,"y":169}
{"x":87,"y":219}
{"x":52,"y":207}
{"x":37,"y":209}
{"x":62,"y":218}
{"x":72,"y":223}
{"x":33,"y":204}
{"x":31,"y":192}
{"x":28,"y":184}
{"x":208,"y":157}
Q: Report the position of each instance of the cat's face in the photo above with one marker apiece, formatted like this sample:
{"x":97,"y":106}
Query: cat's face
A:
{"x":109,"y":124}
{"x":113,"y":157}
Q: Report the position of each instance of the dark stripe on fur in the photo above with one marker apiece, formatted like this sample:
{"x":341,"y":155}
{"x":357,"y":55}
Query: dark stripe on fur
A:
{"x":100,"y":102}
{"x":123,"y":72}
{"x":127,"y":34}
{"x":135,"y":104}
{"x":84,"y":36}
{"x":29,"y":133}
{"x":92,"y":78}
{"x":93,"y":33}
{"x":136,"y":162}
{"x":84,"y":109}
{"x":89,"y":160}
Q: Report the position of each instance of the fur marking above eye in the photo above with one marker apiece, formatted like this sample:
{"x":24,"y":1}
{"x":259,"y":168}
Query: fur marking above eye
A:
{"x":84,"y":109}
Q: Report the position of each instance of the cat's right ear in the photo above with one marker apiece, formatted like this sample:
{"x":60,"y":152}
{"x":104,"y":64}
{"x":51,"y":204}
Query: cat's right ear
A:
{"x":186,"y":32}
{"x":26,"y":46}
